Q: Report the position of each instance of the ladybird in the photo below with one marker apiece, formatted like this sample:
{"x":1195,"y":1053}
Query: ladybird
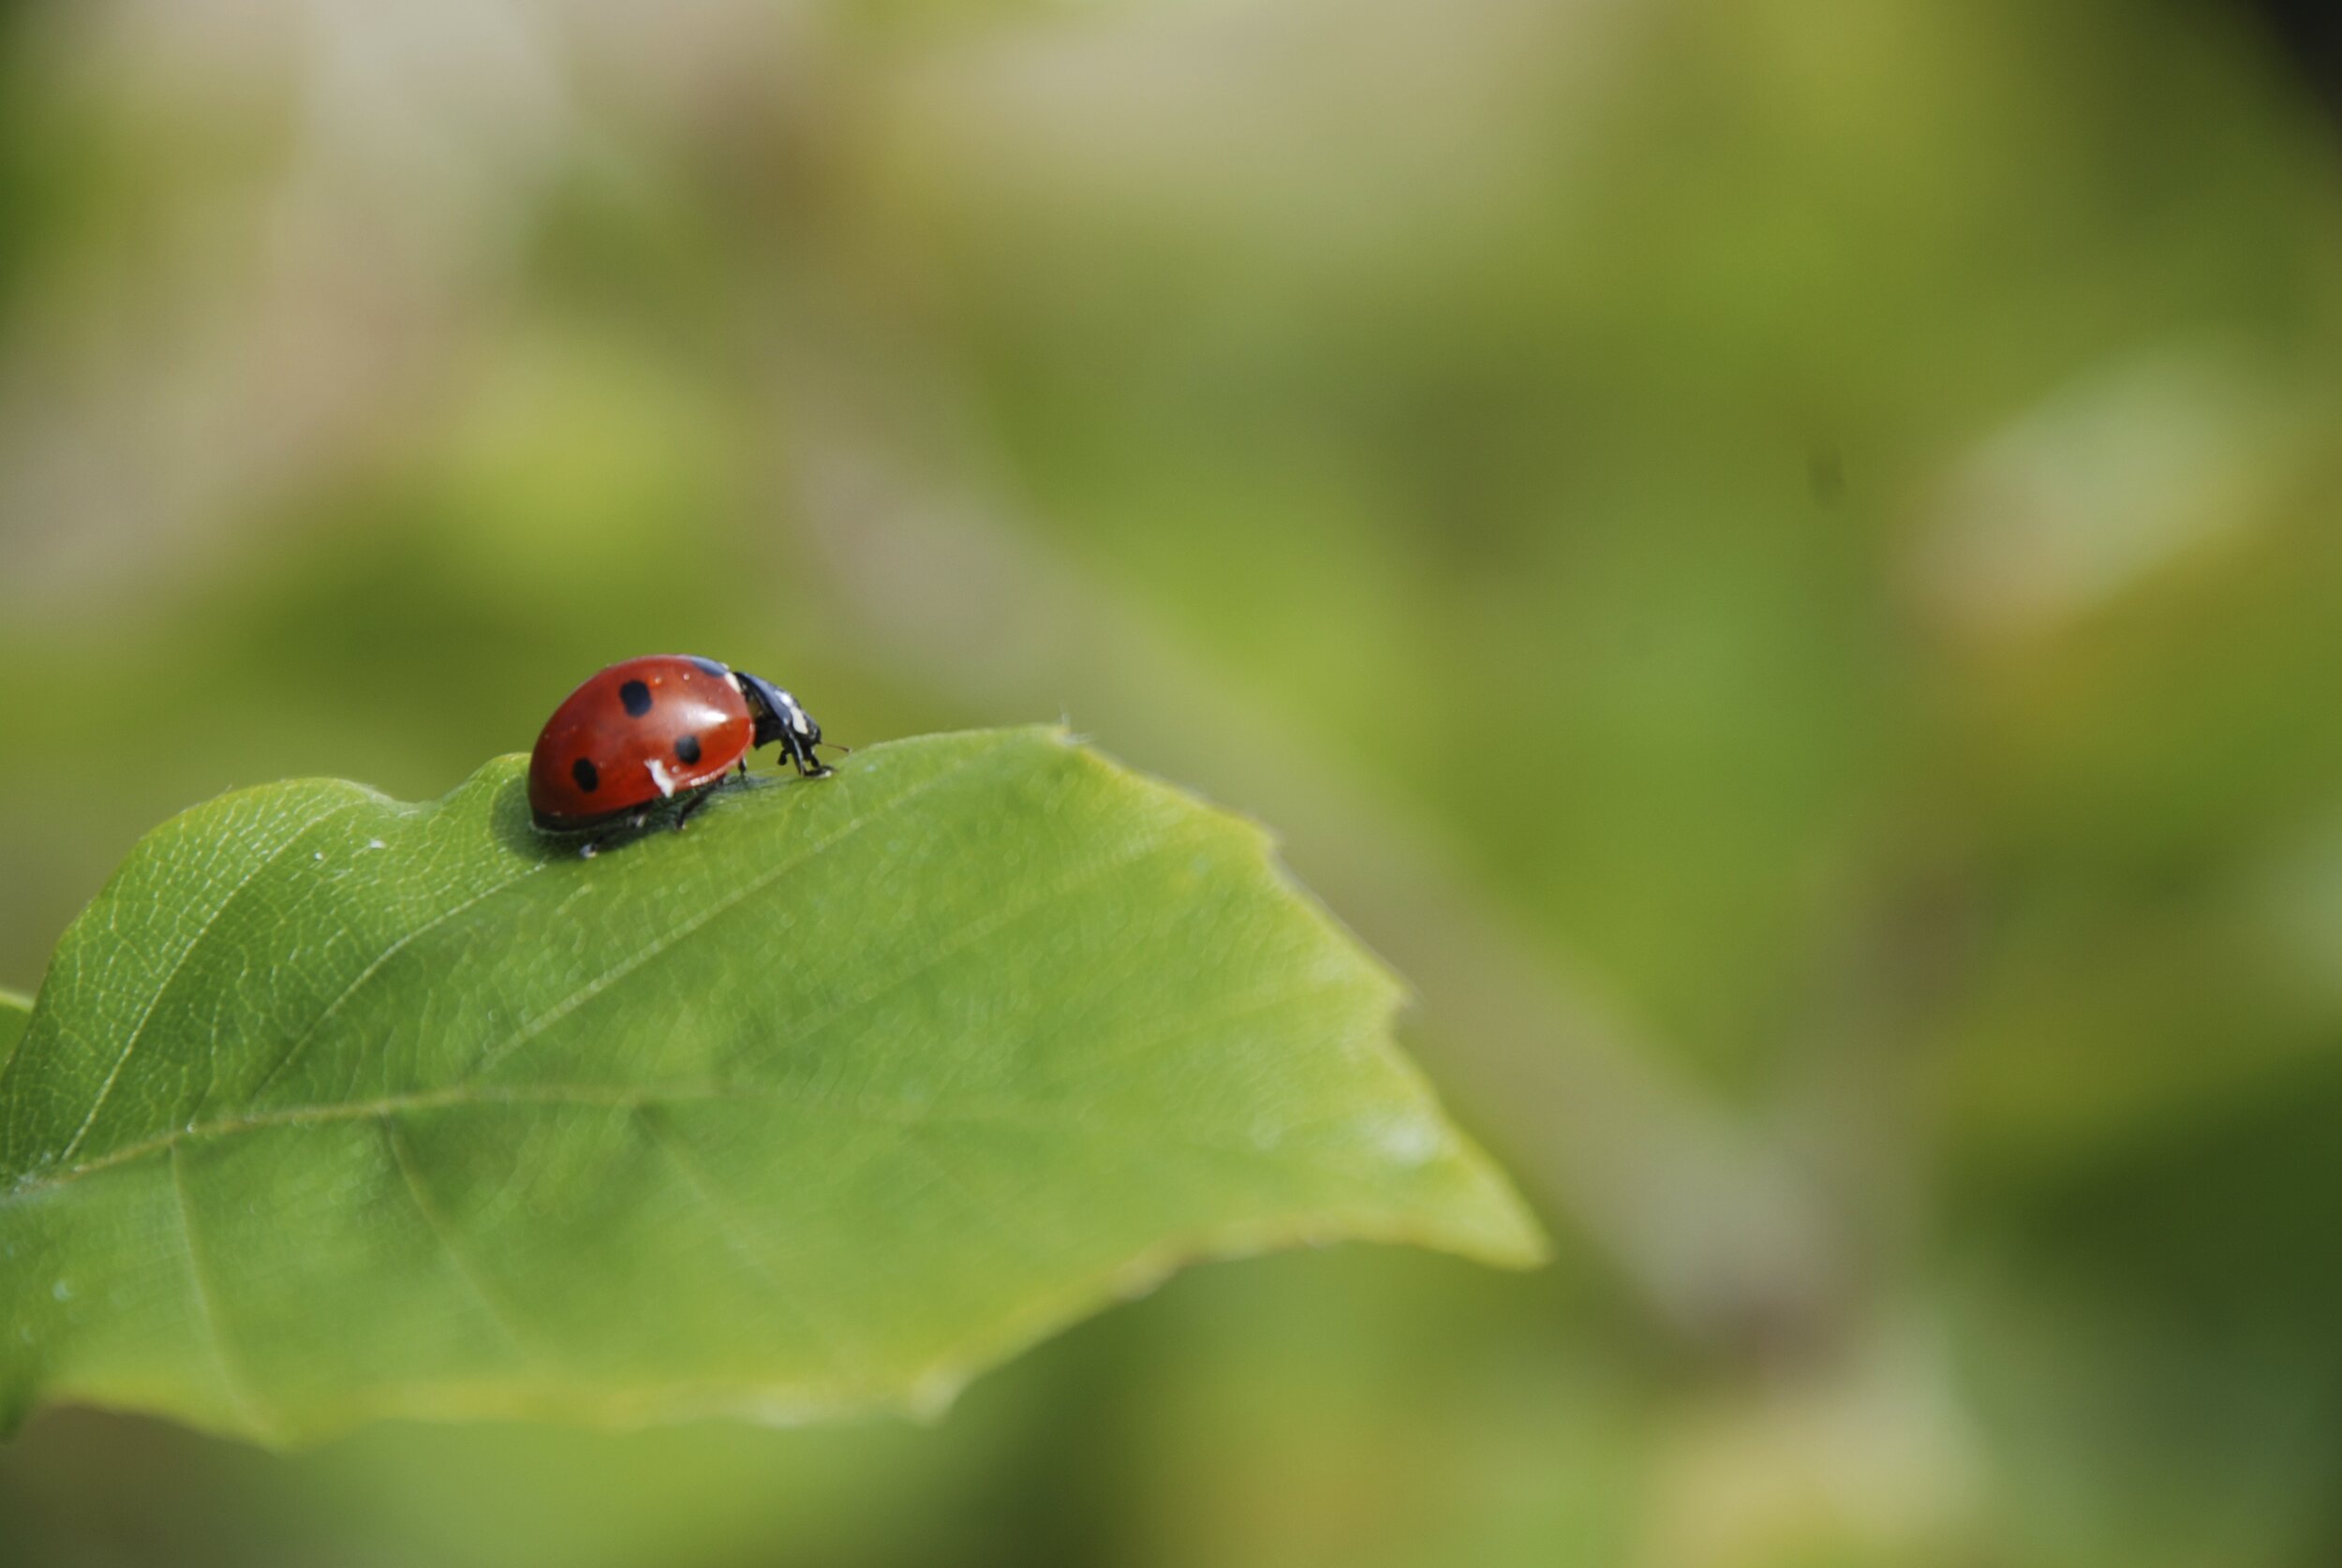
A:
{"x":650,"y":730}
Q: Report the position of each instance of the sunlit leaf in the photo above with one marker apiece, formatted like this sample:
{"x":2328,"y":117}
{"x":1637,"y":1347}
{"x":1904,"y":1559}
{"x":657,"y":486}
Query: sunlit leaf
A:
{"x":334,"y":1107}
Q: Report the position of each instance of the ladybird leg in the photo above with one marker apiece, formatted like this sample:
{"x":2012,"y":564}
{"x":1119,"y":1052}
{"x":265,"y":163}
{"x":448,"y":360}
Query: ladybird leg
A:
{"x":697,"y":799}
{"x":589,"y":849}
{"x":743,"y":765}
{"x":808,"y":765}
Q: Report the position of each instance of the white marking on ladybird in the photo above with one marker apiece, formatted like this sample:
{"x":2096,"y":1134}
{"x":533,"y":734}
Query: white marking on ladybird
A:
{"x":659,"y":777}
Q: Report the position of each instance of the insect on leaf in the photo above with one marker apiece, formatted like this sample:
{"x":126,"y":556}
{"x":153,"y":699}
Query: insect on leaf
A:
{"x":334,"y":1108}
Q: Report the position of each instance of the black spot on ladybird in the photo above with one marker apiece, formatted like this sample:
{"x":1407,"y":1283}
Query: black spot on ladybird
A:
{"x":708,"y":666}
{"x":588,"y":777}
{"x":687,"y":748}
{"x":636,"y":696}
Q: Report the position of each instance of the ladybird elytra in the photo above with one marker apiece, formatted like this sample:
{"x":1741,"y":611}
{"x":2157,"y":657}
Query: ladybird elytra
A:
{"x":648,"y":730}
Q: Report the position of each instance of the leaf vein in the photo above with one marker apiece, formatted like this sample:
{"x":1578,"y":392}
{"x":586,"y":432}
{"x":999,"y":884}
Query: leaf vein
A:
{"x":293,"y":1052}
{"x":138,"y":1030}
{"x":530,"y":1029}
{"x":973,"y":932}
{"x":507,"y":1321}
{"x":732,"y":1233}
{"x":231,"y":1376}
{"x":474,"y":1095}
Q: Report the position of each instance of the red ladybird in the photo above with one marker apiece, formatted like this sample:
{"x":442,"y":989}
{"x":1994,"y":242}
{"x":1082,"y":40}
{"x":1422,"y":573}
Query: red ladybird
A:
{"x":651,"y":729}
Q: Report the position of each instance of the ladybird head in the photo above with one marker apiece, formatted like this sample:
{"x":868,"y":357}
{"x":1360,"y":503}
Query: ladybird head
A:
{"x":782,"y":719}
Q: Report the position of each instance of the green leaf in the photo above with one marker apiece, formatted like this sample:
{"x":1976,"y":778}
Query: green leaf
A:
{"x":15,"y":1012}
{"x":334,"y":1108}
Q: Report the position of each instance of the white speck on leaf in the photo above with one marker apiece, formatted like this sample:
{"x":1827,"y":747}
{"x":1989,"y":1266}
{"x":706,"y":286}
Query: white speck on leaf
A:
{"x":1409,"y":1139}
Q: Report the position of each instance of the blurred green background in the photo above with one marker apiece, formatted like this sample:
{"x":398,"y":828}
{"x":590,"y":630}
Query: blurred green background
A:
{"x":1779,"y":558}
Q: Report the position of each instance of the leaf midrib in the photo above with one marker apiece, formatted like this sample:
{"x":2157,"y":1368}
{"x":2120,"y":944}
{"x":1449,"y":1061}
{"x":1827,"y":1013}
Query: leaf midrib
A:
{"x":37,"y":1180}
{"x":600,"y":1095}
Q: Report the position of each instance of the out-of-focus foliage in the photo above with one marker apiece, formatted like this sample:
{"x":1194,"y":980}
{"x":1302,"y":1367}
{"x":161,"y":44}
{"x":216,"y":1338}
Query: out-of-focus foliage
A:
{"x":1778,"y":556}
